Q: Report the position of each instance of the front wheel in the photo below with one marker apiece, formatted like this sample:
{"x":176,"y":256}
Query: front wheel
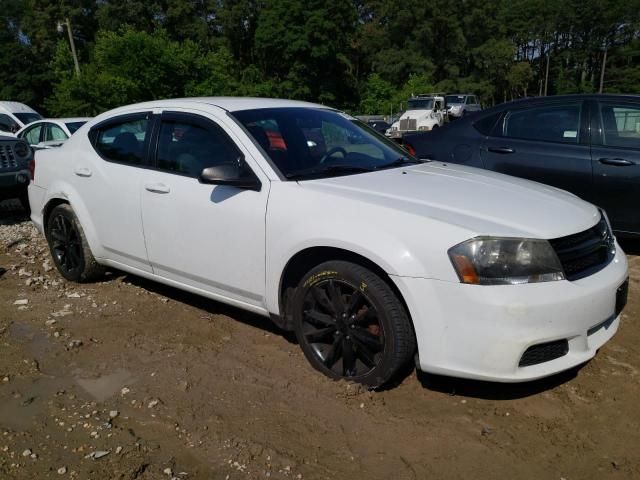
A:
{"x":351,"y":325}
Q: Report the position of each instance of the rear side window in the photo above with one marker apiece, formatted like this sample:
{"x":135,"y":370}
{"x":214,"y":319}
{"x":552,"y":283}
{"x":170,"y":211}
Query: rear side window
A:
{"x":550,"y":123}
{"x":122,"y":141}
{"x":485,"y":125}
{"x":620,"y":125}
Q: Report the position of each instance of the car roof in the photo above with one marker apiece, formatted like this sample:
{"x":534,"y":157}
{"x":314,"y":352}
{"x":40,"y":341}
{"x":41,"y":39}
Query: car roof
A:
{"x":559,"y":98}
{"x":16,"y":107}
{"x":231,"y":104}
{"x":62,"y":120}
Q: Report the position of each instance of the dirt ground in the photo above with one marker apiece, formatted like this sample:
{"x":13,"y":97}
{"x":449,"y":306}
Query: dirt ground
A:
{"x":127,"y":379}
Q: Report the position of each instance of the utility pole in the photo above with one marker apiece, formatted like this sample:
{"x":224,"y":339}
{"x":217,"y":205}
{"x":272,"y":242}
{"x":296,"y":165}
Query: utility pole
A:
{"x":604,"y":64}
{"x":71,"y":42}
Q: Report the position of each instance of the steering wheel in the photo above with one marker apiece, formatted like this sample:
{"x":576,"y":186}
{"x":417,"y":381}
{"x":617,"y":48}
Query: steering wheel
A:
{"x":332,"y":152}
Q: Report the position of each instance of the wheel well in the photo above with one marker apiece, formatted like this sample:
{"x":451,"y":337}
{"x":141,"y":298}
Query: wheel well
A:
{"x":305,"y":260}
{"x":53,"y":203}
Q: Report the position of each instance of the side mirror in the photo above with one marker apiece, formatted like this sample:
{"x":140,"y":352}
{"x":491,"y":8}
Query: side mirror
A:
{"x":229,"y":175}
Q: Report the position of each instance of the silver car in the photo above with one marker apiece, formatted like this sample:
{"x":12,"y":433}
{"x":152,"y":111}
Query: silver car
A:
{"x":460,"y":104}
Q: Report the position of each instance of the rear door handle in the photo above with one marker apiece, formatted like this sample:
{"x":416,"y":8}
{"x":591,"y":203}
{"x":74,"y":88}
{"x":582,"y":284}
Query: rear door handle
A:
{"x":617,"y":162}
{"x":157,"y":188}
{"x":82,"y":172}
{"x":502,"y":150}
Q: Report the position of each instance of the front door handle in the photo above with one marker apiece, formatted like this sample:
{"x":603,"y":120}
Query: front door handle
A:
{"x":157,"y":188}
{"x":502,"y":150}
{"x":617,"y":162}
{"x":82,"y":172}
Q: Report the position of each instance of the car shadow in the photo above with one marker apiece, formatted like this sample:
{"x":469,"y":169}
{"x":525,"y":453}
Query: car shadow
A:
{"x":493,"y":390}
{"x":211,"y":306}
{"x":631,"y":246}
{"x":12,"y":213}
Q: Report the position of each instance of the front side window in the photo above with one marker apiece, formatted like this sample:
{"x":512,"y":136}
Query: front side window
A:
{"x":188,"y":146}
{"x":54,"y":132}
{"x":314,"y":143}
{"x":551,"y":123}
{"x":32,"y":135}
{"x":123,"y":141}
{"x":8,"y":124}
{"x":620,"y":125}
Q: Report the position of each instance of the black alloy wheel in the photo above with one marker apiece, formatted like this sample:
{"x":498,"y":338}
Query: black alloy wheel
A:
{"x":66,"y":244}
{"x":69,"y":247}
{"x":341,"y":326}
{"x":351,"y":324}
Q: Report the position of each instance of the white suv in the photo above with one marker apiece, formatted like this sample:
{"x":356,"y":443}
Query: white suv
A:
{"x":301,"y":213}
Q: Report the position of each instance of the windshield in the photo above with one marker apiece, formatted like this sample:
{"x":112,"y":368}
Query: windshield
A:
{"x":420,"y":104}
{"x":305,"y":143}
{"x":27,"y":117}
{"x":454,"y":99}
{"x":73,"y":126}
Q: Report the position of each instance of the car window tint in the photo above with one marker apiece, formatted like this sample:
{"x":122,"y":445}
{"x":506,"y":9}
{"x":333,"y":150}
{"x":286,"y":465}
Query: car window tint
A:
{"x":189,"y":147}
{"x":485,"y":125}
{"x":7,"y":123}
{"x":73,"y":126}
{"x":621,"y":125}
{"x":32,"y":135}
{"x":54,"y":132}
{"x":551,"y":123}
{"x":123,"y":141}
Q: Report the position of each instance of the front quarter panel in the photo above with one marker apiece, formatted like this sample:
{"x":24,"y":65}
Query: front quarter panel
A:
{"x":401,"y":243}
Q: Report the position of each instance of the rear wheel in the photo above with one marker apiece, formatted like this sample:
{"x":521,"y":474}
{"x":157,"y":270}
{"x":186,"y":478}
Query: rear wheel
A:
{"x":351,"y":325}
{"x":69,"y":248}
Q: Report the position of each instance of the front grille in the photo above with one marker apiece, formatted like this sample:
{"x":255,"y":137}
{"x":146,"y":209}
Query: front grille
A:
{"x":7,"y":157}
{"x":585,"y":253}
{"x":544,"y":352}
{"x":408,"y":124}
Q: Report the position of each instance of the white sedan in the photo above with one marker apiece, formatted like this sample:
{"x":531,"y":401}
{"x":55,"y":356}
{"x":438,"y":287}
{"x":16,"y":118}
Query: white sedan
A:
{"x":50,"y":132}
{"x":300,"y":213}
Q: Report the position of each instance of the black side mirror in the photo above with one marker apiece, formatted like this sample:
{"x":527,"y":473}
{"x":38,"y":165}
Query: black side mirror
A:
{"x":230,"y":175}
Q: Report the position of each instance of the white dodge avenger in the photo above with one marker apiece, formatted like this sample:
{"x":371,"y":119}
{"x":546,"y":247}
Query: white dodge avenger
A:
{"x":301,"y":213}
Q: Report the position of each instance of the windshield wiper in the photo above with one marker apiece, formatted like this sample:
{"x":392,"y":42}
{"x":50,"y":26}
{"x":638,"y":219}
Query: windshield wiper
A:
{"x":330,"y":169}
{"x":398,"y":162}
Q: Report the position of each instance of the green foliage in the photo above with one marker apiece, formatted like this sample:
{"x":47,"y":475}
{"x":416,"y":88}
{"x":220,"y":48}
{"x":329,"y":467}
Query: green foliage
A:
{"x":366,"y":56}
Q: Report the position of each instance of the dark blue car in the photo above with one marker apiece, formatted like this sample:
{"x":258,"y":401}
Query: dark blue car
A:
{"x":586,"y":144}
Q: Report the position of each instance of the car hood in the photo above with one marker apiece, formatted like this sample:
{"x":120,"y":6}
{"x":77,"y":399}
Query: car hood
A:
{"x":479,"y":201}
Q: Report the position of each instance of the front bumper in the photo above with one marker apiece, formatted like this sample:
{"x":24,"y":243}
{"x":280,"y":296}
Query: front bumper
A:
{"x":482,"y":332}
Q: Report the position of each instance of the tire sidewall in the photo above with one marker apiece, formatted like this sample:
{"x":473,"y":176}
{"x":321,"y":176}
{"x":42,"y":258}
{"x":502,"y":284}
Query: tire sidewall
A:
{"x":369,"y":287}
{"x":65,"y":211}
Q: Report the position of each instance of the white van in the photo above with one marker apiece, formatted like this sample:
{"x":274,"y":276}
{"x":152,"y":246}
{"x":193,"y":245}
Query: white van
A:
{"x":15,"y":115}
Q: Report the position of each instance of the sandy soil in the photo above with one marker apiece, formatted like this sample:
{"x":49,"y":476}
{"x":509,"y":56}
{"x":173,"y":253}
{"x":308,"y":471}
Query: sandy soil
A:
{"x":128,"y":379}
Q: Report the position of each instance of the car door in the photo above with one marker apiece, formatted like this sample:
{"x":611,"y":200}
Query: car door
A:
{"x":210,"y":237}
{"x":615,"y":151}
{"x":547,"y":143}
{"x":108,"y":176}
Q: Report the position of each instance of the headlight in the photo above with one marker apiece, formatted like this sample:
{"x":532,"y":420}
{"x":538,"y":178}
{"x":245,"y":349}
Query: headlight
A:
{"x":423,"y":128}
{"x":21,"y":148}
{"x":505,"y":261}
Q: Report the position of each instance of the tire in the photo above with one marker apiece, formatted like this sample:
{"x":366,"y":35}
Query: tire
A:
{"x":24,"y":201}
{"x":69,"y":247}
{"x":351,"y":325}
